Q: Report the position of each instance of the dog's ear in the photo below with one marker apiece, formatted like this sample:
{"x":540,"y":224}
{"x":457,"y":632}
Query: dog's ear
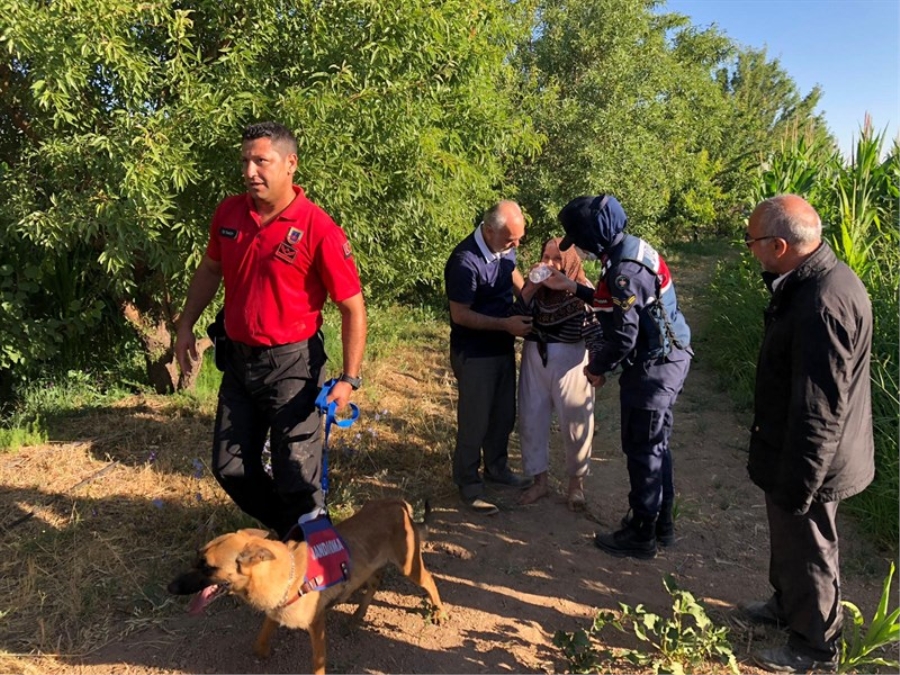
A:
{"x":255,"y":532}
{"x":253,"y":554}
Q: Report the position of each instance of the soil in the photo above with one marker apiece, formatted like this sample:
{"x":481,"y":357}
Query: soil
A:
{"x":511,"y":580}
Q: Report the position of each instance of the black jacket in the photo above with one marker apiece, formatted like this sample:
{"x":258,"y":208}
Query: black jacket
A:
{"x":811,"y":438}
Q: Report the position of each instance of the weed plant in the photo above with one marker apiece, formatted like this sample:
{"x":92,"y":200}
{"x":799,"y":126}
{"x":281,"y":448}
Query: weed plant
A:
{"x":860,"y":650}
{"x":687,"y":642}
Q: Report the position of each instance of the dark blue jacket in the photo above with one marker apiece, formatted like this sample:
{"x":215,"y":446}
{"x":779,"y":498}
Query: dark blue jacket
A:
{"x":637,"y":307}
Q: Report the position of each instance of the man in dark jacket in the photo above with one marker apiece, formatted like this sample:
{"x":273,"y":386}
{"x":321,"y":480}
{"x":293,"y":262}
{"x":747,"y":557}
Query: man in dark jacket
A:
{"x":811,"y":443}
{"x":646,"y":335}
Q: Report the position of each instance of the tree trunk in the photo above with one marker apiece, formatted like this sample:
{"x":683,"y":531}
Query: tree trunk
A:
{"x":158,"y":342}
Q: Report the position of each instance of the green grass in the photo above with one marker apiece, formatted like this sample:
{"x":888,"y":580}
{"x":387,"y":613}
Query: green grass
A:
{"x":19,"y":434}
{"x":734,"y":332}
{"x":40,"y":401}
{"x":679,"y":252}
{"x":388,"y":327}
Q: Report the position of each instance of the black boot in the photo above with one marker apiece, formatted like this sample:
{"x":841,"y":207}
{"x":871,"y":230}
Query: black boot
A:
{"x":637,"y":539}
{"x":665,"y":525}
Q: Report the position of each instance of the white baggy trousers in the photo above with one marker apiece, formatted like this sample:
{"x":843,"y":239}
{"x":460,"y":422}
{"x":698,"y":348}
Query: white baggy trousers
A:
{"x":559,"y":386}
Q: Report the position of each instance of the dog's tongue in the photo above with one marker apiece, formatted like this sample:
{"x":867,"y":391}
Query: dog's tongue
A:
{"x":202,"y":599}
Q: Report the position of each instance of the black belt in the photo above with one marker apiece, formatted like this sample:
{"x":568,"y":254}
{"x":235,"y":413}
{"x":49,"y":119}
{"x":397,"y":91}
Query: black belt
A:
{"x":254,"y":351}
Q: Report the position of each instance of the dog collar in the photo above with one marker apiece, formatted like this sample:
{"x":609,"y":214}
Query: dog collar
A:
{"x":305,"y":587}
{"x":303,"y":590}
{"x":284,"y":599}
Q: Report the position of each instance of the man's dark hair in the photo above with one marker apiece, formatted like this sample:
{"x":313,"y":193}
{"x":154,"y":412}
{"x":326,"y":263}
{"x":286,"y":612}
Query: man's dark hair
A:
{"x":280,"y":135}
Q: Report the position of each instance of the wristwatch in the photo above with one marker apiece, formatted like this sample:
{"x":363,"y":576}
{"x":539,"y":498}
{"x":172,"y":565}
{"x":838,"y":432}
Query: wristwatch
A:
{"x":354,"y":382}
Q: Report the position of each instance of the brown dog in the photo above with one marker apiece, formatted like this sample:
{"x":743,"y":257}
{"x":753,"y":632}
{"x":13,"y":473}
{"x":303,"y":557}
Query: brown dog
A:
{"x":268,"y":574}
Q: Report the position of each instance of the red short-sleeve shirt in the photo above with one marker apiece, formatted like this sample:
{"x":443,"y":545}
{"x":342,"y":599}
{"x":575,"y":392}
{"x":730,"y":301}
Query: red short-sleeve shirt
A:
{"x":277,"y":276}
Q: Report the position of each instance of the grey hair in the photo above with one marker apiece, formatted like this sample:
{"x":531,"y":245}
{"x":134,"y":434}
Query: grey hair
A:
{"x":495,"y":217}
{"x":797,"y":228}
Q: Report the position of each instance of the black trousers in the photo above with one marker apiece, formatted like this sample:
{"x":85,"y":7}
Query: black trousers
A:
{"x":485,"y":416}
{"x":271,"y":391}
{"x":805,"y":572}
{"x":647,"y":395}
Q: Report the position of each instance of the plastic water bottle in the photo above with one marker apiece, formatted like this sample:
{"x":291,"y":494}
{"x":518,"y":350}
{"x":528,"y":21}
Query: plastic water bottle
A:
{"x":539,"y":273}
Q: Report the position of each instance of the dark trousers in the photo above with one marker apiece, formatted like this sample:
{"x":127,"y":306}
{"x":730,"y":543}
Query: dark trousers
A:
{"x":485,"y":416}
{"x":805,"y":573}
{"x":271,"y":391}
{"x":648,"y":392}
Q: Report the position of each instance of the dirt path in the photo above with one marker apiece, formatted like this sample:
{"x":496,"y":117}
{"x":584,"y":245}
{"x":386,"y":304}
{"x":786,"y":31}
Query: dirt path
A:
{"x":511,"y":580}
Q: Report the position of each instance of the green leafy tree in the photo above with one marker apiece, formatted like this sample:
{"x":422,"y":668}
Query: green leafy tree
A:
{"x":119,"y":132}
{"x":766,"y":112}
{"x":626,"y":101}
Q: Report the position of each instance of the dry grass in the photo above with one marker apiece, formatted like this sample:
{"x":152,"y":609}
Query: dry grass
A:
{"x":97,"y":521}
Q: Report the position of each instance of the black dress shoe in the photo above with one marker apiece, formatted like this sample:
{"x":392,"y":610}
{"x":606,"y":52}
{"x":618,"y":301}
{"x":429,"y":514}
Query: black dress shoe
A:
{"x":665,"y":529}
{"x":508,"y":478}
{"x":761,"y":613}
{"x":635,"y":540}
{"x":784,"y":659}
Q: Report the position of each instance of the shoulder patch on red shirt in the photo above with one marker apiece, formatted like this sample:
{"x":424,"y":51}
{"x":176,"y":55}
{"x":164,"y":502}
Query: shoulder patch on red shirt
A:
{"x":346,"y":249}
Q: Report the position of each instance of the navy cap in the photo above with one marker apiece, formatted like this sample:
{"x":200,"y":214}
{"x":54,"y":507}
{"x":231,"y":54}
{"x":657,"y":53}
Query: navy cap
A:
{"x":591,"y":223}
{"x":579,"y":219}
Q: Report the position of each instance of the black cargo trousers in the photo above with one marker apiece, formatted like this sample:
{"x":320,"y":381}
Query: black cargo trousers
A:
{"x":270,"y":391}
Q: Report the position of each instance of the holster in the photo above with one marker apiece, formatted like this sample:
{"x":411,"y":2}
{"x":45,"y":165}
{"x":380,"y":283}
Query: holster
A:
{"x":216,"y":333}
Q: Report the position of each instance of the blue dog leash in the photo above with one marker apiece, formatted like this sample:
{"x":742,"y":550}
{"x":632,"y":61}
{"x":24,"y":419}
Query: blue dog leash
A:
{"x":328,"y":410}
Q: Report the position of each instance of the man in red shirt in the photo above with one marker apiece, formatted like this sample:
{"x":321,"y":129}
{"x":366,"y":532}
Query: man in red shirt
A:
{"x":279,"y":256}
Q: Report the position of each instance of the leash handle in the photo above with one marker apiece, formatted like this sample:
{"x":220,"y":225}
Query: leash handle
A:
{"x":328,"y":410}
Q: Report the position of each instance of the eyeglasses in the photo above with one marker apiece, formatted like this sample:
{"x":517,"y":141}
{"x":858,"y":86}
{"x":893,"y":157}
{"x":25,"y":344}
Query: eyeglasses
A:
{"x":749,"y":241}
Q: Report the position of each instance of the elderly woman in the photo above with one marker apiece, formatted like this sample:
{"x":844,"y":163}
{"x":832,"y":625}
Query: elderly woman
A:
{"x":552,"y":378}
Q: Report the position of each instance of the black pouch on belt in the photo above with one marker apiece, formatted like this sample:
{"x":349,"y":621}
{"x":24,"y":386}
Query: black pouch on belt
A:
{"x":216,"y":333}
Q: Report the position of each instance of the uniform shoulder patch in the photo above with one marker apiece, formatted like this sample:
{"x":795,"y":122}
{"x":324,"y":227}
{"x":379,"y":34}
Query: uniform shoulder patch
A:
{"x":347,"y":251}
{"x":622,"y":281}
{"x":293,"y":236}
{"x":625,"y":303}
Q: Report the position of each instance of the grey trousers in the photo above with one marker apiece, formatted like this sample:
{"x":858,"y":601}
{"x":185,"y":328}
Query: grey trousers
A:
{"x":805,"y":573}
{"x":485,"y":416}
